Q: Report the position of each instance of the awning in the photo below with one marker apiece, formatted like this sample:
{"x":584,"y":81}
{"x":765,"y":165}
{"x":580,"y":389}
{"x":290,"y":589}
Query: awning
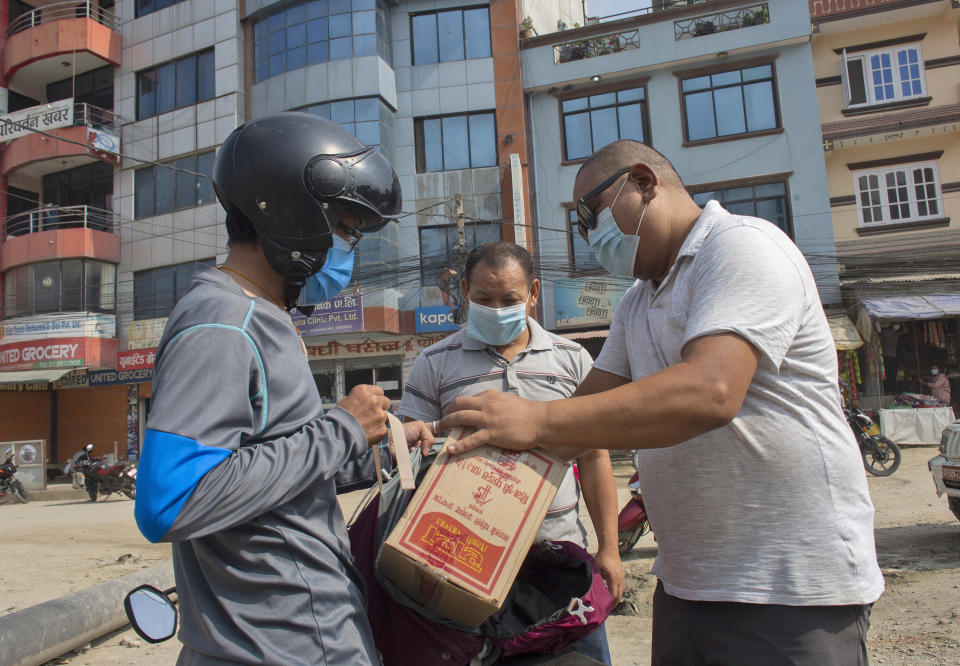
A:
{"x":844,"y":333}
{"x":583,"y":335}
{"x":930,"y":306}
{"x":24,"y":376}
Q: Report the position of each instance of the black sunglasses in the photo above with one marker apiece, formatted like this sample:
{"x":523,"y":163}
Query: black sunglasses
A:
{"x":586,"y":220}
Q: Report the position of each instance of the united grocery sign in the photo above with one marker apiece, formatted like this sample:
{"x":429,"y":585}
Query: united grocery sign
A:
{"x":58,"y":353}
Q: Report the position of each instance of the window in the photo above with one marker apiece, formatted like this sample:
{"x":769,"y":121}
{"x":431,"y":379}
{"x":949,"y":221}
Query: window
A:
{"x":175,"y":85}
{"x":879,"y":77}
{"x":737,"y":101}
{"x":94,"y":87}
{"x":158,"y":189}
{"x":765,"y":200}
{"x":157,"y":290}
{"x":437,"y":247}
{"x":582,"y":259}
{"x":590,"y":123}
{"x":445,"y":36}
{"x":69,"y":285}
{"x":144,"y":7}
{"x":316,"y":31}
{"x":367,"y":118}
{"x":460,"y":141}
{"x":904,"y":193}
{"x":87,"y":185}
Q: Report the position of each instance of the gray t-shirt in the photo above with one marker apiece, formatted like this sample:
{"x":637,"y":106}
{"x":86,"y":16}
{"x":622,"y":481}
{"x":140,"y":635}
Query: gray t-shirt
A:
{"x":550,"y":368}
{"x":772,"y":508}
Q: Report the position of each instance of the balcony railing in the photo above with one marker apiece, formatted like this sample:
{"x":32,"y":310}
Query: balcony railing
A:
{"x":63,"y":10}
{"x":592,"y":47}
{"x":734,"y":19}
{"x":49,"y":218}
{"x":94,"y":116}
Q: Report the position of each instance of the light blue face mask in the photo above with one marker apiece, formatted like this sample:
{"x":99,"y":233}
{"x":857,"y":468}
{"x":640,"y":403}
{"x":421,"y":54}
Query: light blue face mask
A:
{"x":333,"y":276}
{"x":615,"y":251}
{"x":496,"y":326}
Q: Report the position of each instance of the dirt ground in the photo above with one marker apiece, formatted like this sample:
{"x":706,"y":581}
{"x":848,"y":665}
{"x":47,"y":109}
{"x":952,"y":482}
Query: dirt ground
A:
{"x":52,"y":548}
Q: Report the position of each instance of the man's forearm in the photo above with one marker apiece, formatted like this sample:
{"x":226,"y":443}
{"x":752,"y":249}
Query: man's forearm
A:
{"x":600,"y":496}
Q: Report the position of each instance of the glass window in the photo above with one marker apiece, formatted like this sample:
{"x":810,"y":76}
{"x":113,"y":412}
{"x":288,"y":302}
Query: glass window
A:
{"x":365,"y":117}
{"x":144,"y":7}
{"x":591,"y":122}
{"x":729,"y":103}
{"x":308,"y":33}
{"x":173,"y":185}
{"x":767,"y":200}
{"x":582,"y":259}
{"x":175,"y":85}
{"x":437,"y":247}
{"x":157,"y":290}
{"x":449,"y":35}
{"x":887,"y":75}
{"x":903,"y":193}
{"x":460,"y":141}
{"x":69,"y":285}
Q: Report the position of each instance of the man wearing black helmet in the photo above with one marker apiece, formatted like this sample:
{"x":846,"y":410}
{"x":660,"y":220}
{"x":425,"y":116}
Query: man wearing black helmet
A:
{"x":238,"y":459}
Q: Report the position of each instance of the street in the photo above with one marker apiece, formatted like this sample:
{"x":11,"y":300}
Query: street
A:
{"x":53,"y":548}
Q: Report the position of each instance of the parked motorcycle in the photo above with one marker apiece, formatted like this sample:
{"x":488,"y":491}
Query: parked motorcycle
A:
{"x":9,"y":483}
{"x":77,"y":467}
{"x":104,"y":479}
{"x":632,"y":521}
{"x":881,"y":455}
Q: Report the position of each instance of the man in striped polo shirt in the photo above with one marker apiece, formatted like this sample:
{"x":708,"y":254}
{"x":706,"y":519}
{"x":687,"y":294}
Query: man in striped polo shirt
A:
{"x":504,"y":348}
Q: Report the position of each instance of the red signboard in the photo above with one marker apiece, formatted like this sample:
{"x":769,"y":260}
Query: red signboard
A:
{"x":136,"y":359}
{"x":58,"y":353}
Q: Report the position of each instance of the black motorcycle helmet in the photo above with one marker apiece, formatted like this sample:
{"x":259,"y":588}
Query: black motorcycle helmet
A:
{"x":293,"y":175}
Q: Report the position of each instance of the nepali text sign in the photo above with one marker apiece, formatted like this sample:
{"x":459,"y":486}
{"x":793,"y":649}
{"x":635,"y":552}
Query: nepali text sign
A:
{"x":50,"y":326}
{"x":38,"y":354}
{"x":44,"y":117}
{"x":145,"y":333}
{"x":434,"y":319}
{"x":586,"y":301}
{"x":343,"y":314}
{"x":136,"y":359}
{"x":111,"y":377}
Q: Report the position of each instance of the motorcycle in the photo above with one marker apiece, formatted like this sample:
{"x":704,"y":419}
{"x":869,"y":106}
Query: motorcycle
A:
{"x":632,"y":521}
{"x":104,"y":479}
{"x":881,"y":455}
{"x":9,"y":483}
{"x":77,"y":467}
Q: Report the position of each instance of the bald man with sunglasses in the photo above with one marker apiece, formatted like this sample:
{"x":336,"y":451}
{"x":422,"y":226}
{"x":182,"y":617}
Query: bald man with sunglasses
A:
{"x":720,"y":368}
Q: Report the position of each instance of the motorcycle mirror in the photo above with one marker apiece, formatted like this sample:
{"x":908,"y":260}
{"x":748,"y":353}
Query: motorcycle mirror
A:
{"x":151,"y":613}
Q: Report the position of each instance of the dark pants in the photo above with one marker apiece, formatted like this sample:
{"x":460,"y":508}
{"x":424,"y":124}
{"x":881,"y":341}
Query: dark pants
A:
{"x":715,"y":633}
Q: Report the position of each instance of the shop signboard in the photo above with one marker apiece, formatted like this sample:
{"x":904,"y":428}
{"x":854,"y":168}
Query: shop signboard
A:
{"x":145,"y":333}
{"x":343,"y":314}
{"x":57,"y":353}
{"x":113,"y":377}
{"x":136,"y":359}
{"x":434,"y":318}
{"x":103,"y":141}
{"x":73,"y":379}
{"x":583,"y":302}
{"x":41,"y":327}
{"x":43,"y":118}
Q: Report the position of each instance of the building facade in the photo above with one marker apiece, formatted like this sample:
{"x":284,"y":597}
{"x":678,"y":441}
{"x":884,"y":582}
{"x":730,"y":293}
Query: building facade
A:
{"x":886,"y":83}
{"x":716,"y":87}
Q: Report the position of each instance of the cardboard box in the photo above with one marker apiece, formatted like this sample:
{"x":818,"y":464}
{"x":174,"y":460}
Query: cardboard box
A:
{"x":460,"y":543}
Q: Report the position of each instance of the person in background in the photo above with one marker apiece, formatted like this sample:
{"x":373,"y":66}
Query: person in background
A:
{"x":503,"y":347}
{"x":939,"y":385}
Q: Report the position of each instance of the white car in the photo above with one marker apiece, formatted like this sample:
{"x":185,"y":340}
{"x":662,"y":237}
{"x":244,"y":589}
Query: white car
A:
{"x":946,"y":467}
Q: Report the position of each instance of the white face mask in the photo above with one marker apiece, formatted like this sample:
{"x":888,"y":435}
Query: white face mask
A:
{"x":934,"y":372}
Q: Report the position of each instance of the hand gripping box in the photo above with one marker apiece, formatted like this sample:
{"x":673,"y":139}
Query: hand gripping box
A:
{"x":459,"y":544}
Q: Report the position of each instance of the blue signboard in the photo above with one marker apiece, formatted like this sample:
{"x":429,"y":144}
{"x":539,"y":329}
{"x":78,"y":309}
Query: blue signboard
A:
{"x":112,"y":377}
{"x":581,"y":302}
{"x":343,"y":314}
{"x":434,"y":318}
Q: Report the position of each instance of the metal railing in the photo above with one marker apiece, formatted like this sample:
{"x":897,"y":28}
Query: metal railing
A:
{"x":49,"y":218}
{"x":734,"y":19}
{"x":60,"y":11}
{"x":592,"y":47}
{"x":94,"y":116}
{"x":655,"y":6}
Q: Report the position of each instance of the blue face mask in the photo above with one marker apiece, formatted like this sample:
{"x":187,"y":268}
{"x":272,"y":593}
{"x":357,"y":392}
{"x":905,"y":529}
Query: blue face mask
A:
{"x":333,"y":276}
{"x":615,"y":251}
{"x":496,"y":326}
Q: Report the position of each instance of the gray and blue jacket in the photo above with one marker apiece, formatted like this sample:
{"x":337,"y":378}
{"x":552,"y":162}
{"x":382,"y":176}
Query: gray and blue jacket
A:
{"x":237,"y":471}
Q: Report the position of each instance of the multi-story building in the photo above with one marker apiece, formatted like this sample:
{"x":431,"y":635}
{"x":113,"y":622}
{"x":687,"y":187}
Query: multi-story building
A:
{"x":435,"y":85}
{"x":717,"y":87}
{"x":889,"y":106}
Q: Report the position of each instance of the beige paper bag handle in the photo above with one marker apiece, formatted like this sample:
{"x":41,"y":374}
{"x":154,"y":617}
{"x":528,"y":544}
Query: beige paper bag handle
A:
{"x":398,"y":440}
